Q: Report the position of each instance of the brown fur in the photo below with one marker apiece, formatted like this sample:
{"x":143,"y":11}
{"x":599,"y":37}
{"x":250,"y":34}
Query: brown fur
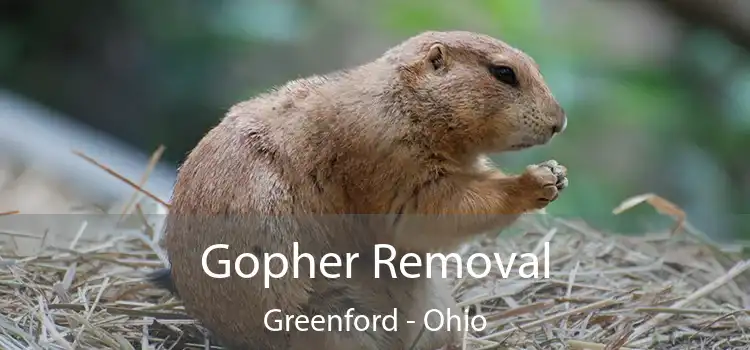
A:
{"x":404,"y":135}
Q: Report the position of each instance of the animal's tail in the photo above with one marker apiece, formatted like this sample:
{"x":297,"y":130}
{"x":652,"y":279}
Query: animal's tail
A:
{"x":162,"y":278}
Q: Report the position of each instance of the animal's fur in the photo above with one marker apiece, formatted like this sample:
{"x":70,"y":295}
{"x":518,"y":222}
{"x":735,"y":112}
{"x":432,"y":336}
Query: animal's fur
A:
{"x":403,"y":137}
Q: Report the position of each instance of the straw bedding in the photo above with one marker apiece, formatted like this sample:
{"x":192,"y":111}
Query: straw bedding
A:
{"x":657,"y":291}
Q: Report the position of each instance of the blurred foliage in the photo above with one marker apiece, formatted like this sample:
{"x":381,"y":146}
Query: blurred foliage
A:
{"x":154,"y":72}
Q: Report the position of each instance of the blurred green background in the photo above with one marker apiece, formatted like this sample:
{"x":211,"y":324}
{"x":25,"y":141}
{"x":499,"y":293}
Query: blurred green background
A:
{"x":657,"y":92}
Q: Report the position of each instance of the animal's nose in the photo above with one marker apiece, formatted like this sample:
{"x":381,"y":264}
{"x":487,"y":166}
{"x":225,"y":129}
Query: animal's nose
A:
{"x":560,"y":126}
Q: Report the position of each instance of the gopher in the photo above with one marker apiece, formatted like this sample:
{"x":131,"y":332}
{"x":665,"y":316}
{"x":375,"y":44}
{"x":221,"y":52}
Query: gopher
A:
{"x":394,"y":152}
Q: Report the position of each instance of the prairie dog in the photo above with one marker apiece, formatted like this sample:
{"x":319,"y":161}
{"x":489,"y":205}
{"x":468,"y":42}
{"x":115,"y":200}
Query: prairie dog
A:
{"x":404,"y":136}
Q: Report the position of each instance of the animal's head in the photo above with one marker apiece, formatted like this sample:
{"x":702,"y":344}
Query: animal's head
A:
{"x":478,"y":89}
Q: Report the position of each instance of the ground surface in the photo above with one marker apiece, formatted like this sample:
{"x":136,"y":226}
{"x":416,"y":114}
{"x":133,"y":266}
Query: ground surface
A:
{"x":659,"y":291}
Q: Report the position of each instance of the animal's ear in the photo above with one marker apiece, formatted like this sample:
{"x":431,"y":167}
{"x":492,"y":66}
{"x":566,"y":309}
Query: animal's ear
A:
{"x":437,"y":57}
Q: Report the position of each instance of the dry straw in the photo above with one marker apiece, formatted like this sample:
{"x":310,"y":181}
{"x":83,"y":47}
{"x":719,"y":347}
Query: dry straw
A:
{"x":674,"y":290}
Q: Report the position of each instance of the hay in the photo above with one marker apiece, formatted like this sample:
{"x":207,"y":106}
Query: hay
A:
{"x":658,"y":291}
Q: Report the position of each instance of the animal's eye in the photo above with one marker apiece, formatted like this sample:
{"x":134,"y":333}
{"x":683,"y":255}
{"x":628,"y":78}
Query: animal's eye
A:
{"x":504,"y":74}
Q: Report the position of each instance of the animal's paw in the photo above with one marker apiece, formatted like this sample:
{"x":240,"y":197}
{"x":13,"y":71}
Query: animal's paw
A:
{"x":542,"y":183}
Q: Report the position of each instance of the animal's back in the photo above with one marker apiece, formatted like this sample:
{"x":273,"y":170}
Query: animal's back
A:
{"x":232,"y":190}
{"x":263,"y":178}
